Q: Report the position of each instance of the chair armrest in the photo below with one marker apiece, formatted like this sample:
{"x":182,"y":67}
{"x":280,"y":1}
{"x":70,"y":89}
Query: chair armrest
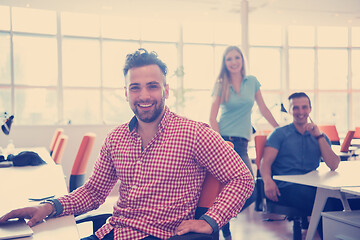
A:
{"x":92,"y":217}
{"x":97,"y":219}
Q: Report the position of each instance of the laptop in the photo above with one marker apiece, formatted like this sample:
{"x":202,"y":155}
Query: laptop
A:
{"x":15,"y":229}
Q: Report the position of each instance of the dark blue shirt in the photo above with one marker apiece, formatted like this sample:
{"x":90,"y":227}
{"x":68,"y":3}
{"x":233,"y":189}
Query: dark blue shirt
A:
{"x":298,"y":153}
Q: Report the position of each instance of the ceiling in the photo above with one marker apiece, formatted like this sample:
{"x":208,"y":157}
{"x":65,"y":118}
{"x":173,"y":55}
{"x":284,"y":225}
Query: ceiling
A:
{"x":284,"y":12}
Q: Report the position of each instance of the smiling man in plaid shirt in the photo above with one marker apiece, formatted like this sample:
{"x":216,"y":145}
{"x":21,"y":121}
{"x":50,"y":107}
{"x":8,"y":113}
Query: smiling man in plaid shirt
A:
{"x":161,"y":160}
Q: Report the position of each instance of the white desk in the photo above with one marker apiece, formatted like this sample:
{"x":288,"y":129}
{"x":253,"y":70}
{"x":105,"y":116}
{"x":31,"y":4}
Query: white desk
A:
{"x":355,"y":142}
{"x":351,"y":190}
{"x":350,"y":153}
{"x":329,"y":184}
{"x":20,"y":183}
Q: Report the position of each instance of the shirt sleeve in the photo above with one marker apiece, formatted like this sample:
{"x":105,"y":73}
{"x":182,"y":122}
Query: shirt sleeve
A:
{"x":257,"y":84}
{"x":225,"y":164}
{"x":254,"y":82}
{"x":274,"y":139}
{"x":94,"y":192}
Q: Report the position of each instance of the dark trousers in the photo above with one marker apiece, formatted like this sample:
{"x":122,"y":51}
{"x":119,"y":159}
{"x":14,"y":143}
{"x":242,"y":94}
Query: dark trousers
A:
{"x":109,"y":236}
{"x":303,"y":197}
{"x":188,"y":236}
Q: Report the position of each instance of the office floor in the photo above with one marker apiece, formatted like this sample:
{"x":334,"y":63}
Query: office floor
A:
{"x":249,"y":225}
{"x":252,"y":225}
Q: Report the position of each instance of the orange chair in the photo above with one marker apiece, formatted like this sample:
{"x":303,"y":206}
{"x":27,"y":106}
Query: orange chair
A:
{"x":331,"y":133}
{"x":77,"y":176}
{"x":263,"y":204}
{"x":59,"y":148}
{"x":357,"y":133}
{"x":260,"y":141}
{"x":347,"y":141}
{"x":54,"y":139}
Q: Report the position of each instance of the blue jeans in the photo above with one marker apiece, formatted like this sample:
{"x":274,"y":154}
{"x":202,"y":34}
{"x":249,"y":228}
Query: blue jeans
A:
{"x":110,"y":236}
{"x":240,"y":146}
{"x":188,"y":236}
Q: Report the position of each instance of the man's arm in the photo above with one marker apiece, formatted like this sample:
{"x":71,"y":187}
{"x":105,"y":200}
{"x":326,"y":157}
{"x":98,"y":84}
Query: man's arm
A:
{"x":237,"y":178}
{"x":226,"y":166}
{"x":330,"y":158}
{"x":271,"y":190}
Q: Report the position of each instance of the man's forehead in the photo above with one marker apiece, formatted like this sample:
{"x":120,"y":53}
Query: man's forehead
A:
{"x":299,"y":101}
{"x":147,"y":69}
{"x":144,"y":74}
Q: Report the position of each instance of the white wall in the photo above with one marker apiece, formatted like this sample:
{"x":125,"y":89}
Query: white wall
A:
{"x":30,"y":136}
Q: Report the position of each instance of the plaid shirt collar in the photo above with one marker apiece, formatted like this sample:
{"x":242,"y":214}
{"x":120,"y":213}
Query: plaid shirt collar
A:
{"x":165,"y":119}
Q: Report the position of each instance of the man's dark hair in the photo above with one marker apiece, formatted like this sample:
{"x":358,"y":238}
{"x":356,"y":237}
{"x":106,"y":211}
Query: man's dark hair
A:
{"x":299,"y":95}
{"x":142,"y":58}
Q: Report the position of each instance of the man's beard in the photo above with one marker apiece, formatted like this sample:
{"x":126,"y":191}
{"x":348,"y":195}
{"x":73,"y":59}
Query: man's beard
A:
{"x":149,"y":116}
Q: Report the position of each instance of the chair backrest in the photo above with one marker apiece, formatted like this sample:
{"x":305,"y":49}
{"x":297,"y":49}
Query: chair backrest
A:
{"x":77,"y":176}
{"x":265,"y":132}
{"x":210,"y":189}
{"x":59,"y":148}
{"x":260,"y":142}
{"x":54,"y":139}
{"x":347,"y":141}
{"x":331,"y":133}
{"x":357,"y":133}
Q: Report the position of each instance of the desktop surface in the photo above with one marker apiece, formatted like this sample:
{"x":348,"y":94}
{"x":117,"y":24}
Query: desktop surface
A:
{"x":21,"y":184}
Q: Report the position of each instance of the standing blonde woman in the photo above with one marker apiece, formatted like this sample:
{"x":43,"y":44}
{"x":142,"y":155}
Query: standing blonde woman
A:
{"x":235,"y":93}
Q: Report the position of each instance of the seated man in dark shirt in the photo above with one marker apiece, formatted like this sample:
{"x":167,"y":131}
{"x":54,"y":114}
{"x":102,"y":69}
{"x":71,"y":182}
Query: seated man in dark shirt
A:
{"x":297,"y":148}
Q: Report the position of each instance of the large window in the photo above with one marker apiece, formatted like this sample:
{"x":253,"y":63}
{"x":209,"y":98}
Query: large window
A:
{"x":35,"y":60}
{"x":301,"y":69}
{"x":66,"y":68}
{"x":5,"y":75}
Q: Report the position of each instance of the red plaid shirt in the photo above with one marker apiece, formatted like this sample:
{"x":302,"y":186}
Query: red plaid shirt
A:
{"x":160,"y":185}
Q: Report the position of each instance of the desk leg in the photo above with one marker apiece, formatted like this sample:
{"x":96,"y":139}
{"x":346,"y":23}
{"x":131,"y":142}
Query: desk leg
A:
{"x":319,"y":204}
{"x":320,"y":200}
{"x":344,"y":201}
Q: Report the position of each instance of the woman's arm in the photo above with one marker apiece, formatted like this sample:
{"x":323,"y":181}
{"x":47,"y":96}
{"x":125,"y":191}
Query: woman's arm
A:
{"x":264,"y":109}
{"x":214,"y":112}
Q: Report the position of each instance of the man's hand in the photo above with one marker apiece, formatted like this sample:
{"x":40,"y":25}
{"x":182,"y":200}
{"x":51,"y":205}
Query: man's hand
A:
{"x":35,"y":214}
{"x":312,"y":128}
{"x":197,"y":226}
{"x":271,"y":190}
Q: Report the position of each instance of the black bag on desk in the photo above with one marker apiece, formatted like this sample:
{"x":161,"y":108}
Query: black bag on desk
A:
{"x":26,"y":158}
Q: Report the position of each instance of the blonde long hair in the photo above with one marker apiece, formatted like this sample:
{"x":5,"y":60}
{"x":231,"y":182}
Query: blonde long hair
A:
{"x":223,"y":81}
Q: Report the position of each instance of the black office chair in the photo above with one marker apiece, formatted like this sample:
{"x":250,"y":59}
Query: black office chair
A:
{"x":263,"y":204}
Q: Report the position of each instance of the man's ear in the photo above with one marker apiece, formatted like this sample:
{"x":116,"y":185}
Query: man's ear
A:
{"x":167,"y":89}
{"x":126,"y":94}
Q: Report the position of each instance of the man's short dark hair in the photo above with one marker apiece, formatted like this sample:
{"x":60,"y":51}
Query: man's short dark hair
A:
{"x":299,"y":95}
{"x":142,"y":58}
